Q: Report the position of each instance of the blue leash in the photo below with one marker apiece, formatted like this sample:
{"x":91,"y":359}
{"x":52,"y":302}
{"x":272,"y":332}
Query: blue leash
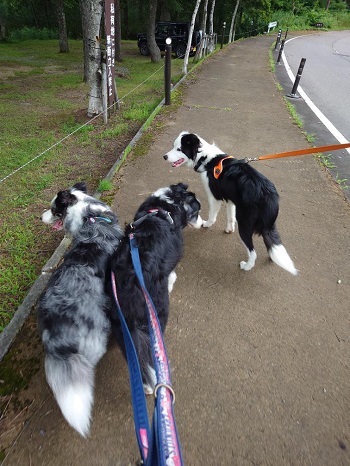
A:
{"x":161,"y":445}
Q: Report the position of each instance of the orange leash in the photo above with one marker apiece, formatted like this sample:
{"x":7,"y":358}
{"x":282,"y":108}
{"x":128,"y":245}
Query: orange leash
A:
{"x":292,"y":153}
{"x":310,"y":150}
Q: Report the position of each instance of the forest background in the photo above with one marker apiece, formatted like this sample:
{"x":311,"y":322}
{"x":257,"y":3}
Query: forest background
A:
{"x":37,"y":19}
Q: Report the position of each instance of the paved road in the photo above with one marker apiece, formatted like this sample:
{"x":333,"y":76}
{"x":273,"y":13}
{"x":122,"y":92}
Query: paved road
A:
{"x":260,"y":359}
{"x":326,"y":82}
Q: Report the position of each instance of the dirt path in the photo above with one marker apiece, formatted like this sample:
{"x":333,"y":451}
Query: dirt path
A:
{"x":260,"y":359}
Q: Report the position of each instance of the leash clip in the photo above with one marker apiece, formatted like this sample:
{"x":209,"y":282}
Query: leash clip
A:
{"x":165,"y":385}
{"x":251,"y":159}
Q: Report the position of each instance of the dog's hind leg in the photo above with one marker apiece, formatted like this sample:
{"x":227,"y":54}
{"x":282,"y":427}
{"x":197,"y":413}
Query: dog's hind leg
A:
{"x":246,"y":234}
{"x":277,"y":251}
{"x":142,"y":344}
{"x":231,"y":217}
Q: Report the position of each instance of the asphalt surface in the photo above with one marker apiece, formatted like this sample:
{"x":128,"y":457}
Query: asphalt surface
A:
{"x":325,"y":81}
{"x":260,"y":359}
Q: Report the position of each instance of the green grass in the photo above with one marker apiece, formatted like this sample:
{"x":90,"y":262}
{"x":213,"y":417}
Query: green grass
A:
{"x":297,"y":120}
{"x":325,"y":160}
{"x":42,"y":100}
{"x":104,"y":185}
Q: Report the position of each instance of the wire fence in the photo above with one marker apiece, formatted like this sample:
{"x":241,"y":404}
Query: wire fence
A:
{"x":207,"y":44}
{"x":77,"y":129}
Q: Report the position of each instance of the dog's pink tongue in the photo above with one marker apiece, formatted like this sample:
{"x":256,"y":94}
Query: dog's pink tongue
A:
{"x":178,"y":163}
{"x":58,"y":225}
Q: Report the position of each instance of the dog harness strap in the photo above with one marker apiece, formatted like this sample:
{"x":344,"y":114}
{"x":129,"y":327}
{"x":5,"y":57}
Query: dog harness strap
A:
{"x":139,"y":404}
{"x":167,"y":440}
{"x":218,"y":167}
{"x":165,"y":215}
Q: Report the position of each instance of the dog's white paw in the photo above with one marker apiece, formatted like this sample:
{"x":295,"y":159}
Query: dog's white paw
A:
{"x":229,"y":229}
{"x":245,"y":265}
{"x":147,"y":389}
{"x":207,"y":224}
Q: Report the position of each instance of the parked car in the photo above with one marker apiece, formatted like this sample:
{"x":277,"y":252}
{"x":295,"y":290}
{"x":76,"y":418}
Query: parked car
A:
{"x":178,"y":32}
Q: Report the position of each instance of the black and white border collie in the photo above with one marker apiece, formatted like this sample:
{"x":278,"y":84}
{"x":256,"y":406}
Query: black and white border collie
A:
{"x":72,"y":311}
{"x":249,"y":195}
{"x":157,"y":226}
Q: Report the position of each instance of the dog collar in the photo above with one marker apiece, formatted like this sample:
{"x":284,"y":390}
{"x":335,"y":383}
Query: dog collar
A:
{"x":199,"y":163}
{"x":164,"y":214}
{"x":218,"y":167}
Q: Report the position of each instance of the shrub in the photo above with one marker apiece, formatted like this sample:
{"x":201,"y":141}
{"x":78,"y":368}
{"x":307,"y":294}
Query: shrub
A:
{"x":30,"y":33}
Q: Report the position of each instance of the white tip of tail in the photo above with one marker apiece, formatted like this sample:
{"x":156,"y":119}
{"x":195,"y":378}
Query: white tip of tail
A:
{"x":280,"y":256}
{"x":75,"y":402}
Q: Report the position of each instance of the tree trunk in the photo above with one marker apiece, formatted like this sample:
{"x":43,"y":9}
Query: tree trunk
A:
{"x":2,"y":30}
{"x":230,"y":36}
{"x":83,"y":6}
{"x":211,"y":26}
{"x":211,"y":18}
{"x":151,"y":39}
{"x":164,"y":11}
{"x":203,"y":28}
{"x":34,"y":14}
{"x":62,"y":29}
{"x":190,"y":34}
{"x":118,"y":32}
{"x":91,"y":13}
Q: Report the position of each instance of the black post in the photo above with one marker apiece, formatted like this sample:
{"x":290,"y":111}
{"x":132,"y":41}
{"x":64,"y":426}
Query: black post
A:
{"x":223,"y":32}
{"x":280,"y":52}
{"x":297,"y":79}
{"x":167,"y":72}
{"x":285,"y":36}
{"x":278,"y":38}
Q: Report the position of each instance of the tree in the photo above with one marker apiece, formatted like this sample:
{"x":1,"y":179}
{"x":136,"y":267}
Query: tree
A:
{"x":62,"y":29}
{"x":211,"y":26}
{"x":231,"y":35}
{"x":203,"y":28}
{"x":151,"y":37}
{"x":91,"y":14}
{"x":190,"y":34}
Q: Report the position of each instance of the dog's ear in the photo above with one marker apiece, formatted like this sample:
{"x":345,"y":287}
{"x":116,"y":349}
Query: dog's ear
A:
{"x":179,"y":190}
{"x":183,"y":186}
{"x":190,"y":145}
{"x":65,"y":199}
{"x":81,"y":186}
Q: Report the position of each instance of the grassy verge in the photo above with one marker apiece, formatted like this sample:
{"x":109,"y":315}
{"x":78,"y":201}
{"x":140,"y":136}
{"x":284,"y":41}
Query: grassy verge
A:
{"x":42,"y":100}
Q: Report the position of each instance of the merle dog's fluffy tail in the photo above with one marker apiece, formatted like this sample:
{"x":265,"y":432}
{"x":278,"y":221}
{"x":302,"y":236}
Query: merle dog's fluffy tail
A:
{"x":277,"y":251}
{"x":72,"y":382}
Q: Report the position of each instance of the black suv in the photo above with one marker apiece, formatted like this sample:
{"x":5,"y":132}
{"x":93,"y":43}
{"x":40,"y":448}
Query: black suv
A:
{"x":178,"y":32}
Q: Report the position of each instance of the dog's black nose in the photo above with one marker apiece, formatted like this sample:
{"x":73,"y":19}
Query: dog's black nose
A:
{"x":165,"y":157}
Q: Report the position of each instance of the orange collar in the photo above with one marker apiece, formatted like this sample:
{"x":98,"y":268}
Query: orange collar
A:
{"x":218,"y":167}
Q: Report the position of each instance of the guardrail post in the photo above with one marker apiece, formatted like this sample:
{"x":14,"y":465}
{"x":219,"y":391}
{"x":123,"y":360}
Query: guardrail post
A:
{"x":278,"y":38}
{"x":280,"y":52}
{"x":167,"y":72}
{"x":297,"y":79}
